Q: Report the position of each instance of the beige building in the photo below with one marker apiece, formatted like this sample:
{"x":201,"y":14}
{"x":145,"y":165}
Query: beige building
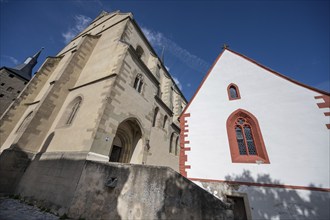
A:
{"x":105,"y":96}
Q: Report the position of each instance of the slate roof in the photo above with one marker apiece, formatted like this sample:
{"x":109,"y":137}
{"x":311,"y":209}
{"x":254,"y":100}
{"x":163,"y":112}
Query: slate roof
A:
{"x":24,"y":70}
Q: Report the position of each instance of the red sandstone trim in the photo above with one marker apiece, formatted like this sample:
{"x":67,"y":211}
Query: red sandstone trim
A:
{"x":326,"y":99}
{"x":257,"y":136}
{"x":325,"y":104}
{"x":264,"y":184}
{"x":237,"y":91}
{"x":183,"y":145}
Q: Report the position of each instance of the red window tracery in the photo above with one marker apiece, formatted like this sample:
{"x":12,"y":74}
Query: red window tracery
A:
{"x":245,"y":138}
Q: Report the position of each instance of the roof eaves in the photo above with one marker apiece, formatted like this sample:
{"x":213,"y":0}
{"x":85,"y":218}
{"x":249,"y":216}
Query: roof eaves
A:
{"x":16,"y":73}
{"x":201,"y":84}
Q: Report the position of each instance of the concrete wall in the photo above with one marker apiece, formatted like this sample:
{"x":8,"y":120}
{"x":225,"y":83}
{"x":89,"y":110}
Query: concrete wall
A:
{"x":51,"y":179}
{"x":67,"y":183}
{"x":141,"y":192}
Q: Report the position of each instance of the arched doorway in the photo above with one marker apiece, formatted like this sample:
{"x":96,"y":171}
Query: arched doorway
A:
{"x":127,"y":137}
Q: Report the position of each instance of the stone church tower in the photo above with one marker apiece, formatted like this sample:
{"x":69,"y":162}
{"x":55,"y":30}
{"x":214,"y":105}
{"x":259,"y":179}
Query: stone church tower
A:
{"x":95,"y":133}
{"x":13,"y":80}
{"x":106,"y":96}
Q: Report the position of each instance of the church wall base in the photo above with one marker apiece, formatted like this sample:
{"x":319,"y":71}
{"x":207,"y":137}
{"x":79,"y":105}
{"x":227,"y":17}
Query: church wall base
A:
{"x":67,"y":183}
{"x":13,"y":163}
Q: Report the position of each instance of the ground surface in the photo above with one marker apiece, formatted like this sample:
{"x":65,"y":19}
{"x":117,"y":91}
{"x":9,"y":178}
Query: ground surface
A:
{"x":12,"y":209}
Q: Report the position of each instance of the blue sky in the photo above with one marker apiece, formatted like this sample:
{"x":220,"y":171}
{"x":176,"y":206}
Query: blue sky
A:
{"x":291,"y":37}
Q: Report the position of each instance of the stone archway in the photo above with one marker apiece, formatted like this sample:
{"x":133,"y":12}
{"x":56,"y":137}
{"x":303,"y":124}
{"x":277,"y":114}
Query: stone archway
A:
{"x":128,"y":136}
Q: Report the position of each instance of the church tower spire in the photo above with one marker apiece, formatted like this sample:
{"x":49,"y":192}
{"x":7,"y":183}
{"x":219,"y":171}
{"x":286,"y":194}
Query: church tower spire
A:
{"x":25,"y":69}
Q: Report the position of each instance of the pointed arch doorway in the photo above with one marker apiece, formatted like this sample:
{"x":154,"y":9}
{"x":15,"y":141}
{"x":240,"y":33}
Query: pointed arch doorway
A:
{"x":127,"y":144}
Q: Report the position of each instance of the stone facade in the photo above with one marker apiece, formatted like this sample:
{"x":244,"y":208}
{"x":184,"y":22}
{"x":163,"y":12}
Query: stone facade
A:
{"x":10,"y":87}
{"x":104,"y":109}
{"x":13,"y":81}
{"x":125,"y":98}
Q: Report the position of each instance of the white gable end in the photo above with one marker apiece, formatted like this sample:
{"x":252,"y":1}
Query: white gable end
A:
{"x":292,"y":126}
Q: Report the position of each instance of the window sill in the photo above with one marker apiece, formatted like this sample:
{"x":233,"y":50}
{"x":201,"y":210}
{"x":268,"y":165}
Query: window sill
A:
{"x":249,"y":159}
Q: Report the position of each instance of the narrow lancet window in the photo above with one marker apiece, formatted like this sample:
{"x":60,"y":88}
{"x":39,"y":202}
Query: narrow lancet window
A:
{"x":233,"y":92}
{"x":73,"y":112}
{"x":138,"y":83}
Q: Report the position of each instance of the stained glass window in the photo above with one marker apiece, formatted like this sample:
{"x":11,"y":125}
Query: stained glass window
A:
{"x":244,"y":139}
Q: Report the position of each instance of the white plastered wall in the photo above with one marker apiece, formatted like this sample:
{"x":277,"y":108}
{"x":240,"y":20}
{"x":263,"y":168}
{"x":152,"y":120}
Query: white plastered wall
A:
{"x":292,"y":126}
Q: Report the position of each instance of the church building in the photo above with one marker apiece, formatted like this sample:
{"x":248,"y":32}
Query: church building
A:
{"x":104,"y":108}
{"x":259,"y":138}
{"x":109,"y":90}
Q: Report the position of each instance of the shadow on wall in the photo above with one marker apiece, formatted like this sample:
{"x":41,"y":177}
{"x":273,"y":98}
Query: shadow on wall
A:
{"x":282,"y":203}
{"x":13,"y":164}
{"x":185,"y":200}
{"x":66,"y":182}
{"x":53,"y":180}
{"x":98,"y":191}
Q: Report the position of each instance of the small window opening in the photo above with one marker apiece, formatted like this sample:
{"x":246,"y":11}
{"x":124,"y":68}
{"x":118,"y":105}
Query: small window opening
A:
{"x":177,"y":146}
{"x":139,"y":51}
{"x":171,"y":150}
{"x":165,"y":121}
{"x":233,"y":92}
{"x":138,"y":83}
{"x":155,"y":117}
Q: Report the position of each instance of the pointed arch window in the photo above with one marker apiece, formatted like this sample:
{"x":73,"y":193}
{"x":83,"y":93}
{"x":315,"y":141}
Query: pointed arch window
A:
{"x":171,"y":150}
{"x":74,"y":110}
{"x":138,"y":83}
{"x":245,"y":138}
{"x":174,"y":144}
{"x":233,"y":92}
{"x":165,"y":121}
{"x":177,"y":146}
{"x":25,"y":122}
{"x":155,"y":117}
{"x":70,"y":112}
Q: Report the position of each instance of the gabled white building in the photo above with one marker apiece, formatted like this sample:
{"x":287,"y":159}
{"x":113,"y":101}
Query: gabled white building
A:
{"x":258,"y":139}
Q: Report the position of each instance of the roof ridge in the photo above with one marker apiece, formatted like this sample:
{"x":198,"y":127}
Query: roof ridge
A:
{"x":279,"y":74}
